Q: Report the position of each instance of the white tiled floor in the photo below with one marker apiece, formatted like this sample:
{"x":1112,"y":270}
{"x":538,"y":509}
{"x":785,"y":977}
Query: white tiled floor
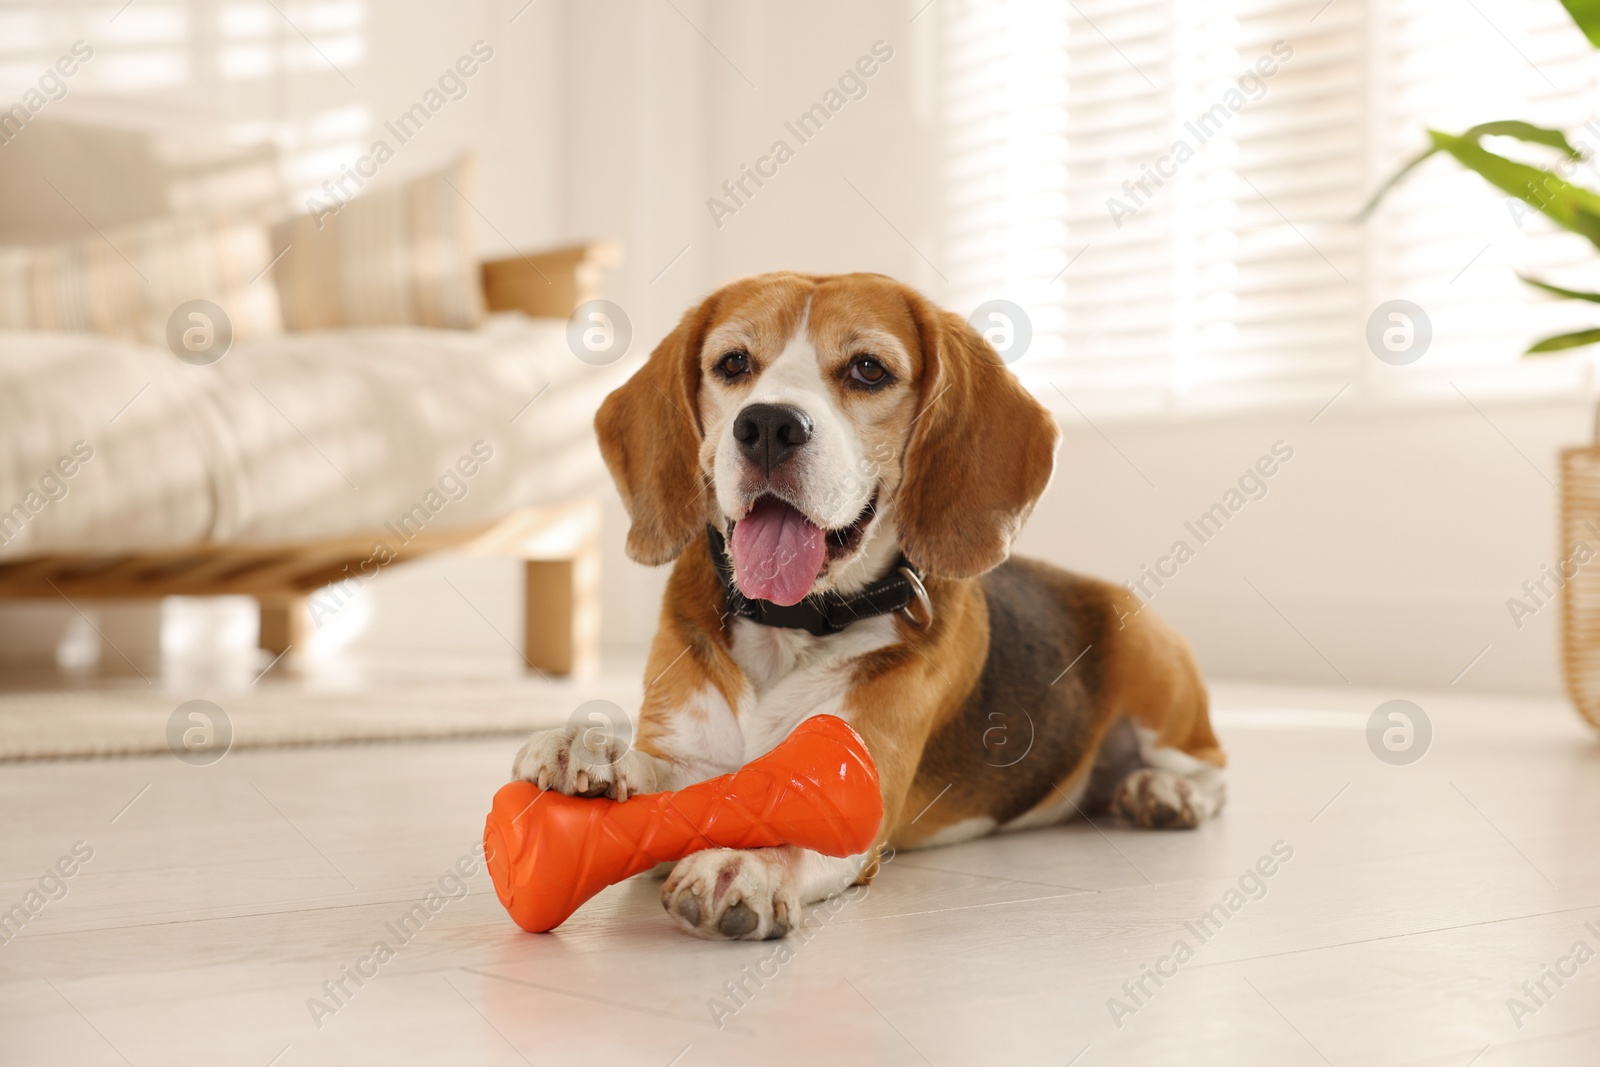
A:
{"x":1417,"y":901}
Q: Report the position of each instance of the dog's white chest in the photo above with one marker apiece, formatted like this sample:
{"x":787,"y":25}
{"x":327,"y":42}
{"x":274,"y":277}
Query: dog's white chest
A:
{"x":791,"y":675}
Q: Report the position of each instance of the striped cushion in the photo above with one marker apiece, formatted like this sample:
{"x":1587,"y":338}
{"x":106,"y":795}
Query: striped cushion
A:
{"x":127,"y":281}
{"x":402,"y":256}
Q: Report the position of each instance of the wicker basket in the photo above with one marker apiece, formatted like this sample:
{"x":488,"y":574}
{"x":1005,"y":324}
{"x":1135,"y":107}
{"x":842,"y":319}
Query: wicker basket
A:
{"x":1580,"y":600}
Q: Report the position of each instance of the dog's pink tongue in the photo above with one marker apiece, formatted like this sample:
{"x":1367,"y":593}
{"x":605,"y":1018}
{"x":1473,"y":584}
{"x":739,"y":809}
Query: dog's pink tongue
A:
{"x":777,"y":553}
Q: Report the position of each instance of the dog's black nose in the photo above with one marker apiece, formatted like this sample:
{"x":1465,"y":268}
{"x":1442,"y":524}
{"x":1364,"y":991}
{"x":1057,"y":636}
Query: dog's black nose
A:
{"x":768,"y":434}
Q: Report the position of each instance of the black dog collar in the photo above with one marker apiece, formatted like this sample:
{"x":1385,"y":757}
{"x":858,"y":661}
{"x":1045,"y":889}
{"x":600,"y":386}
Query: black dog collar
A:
{"x":828,"y":613}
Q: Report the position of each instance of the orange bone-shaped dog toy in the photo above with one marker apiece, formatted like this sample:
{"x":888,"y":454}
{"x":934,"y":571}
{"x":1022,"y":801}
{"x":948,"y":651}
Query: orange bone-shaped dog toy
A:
{"x":548,"y":853}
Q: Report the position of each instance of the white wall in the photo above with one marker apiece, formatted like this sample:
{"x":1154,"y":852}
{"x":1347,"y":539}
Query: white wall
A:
{"x":1390,"y":542}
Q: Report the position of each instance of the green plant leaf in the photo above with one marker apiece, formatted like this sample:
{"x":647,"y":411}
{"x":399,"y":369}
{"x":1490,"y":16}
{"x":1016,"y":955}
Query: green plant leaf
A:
{"x":1569,"y":206}
{"x":1586,"y":13}
{"x":1564,"y":341}
{"x":1522,"y":131}
{"x":1570,"y":294}
{"x":1525,"y":131}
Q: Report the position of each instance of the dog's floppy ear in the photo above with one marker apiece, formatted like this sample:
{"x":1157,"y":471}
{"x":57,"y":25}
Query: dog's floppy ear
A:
{"x":650,"y":435}
{"x":981,"y":452}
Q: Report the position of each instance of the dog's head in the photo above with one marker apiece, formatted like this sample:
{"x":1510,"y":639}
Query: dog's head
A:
{"x":826,"y":419}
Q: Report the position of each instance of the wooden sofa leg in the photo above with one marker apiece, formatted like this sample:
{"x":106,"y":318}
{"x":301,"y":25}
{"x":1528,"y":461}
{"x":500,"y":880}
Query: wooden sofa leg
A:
{"x":285,"y":623}
{"x":561,"y":629}
{"x":548,"y":604}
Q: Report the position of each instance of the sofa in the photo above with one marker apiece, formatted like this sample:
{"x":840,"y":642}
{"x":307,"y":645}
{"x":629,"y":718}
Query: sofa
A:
{"x":336,"y":436}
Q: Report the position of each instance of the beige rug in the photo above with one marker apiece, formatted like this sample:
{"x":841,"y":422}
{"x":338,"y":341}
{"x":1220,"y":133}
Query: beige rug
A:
{"x":133,"y":720}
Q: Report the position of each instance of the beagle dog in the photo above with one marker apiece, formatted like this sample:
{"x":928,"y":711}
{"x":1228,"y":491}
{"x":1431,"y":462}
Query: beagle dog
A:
{"x":836,"y":469}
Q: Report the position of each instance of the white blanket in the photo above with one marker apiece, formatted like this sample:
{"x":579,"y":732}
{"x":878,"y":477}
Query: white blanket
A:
{"x":295,"y":437}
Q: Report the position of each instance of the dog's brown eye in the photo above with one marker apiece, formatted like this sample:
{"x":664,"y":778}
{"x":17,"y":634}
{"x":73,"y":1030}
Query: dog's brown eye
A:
{"x":734,"y":364}
{"x":868,"y":371}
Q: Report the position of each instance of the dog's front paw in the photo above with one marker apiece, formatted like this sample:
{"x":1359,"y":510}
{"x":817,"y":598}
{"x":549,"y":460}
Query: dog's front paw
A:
{"x":727,"y":894}
{"x":584,"y":763}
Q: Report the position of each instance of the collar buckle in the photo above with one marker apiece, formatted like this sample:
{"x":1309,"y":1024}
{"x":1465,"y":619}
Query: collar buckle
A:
{"x":919,"y":595}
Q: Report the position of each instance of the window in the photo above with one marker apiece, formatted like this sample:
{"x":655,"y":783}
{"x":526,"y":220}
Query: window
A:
{"x":1167,"y":187}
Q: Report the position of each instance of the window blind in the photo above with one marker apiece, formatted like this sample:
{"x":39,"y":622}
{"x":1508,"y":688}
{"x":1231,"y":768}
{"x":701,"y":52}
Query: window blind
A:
{"x":1199,"y":164}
